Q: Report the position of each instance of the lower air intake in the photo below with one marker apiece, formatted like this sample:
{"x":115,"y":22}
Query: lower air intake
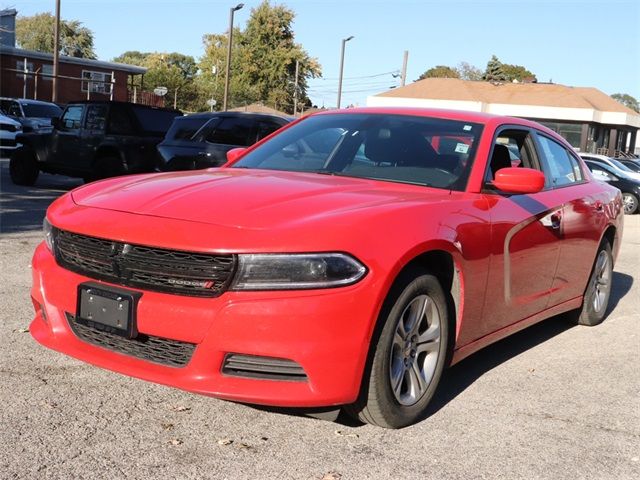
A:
{"x":269,"y":368}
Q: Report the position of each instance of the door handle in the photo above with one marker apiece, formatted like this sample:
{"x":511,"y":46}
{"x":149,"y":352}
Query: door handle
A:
{"x":556,"y":220}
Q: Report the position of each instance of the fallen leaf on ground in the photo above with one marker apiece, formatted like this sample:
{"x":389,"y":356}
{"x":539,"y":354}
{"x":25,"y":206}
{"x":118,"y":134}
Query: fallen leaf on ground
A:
{"x":167,"y":426}
{"x":22,"y":330}
{"x":176,"y":441}
{"x":180,"y":408}
{"x":225,"y":441}
{"x":340,"y":433}
{"x":331,"y":476}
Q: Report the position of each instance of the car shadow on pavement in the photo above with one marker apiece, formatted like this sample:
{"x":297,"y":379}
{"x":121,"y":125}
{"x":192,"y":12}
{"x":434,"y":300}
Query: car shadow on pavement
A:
{"x":462,"y":375}
{"x":23,"y":208}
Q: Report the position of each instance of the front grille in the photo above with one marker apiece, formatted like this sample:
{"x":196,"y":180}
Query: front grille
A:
{"x":163,"y":351}
{"x":149,"y":268}
{"x":271,"y":368}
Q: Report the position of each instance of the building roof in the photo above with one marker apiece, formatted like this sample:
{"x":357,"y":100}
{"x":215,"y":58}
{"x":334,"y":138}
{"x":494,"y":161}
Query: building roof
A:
{"x":529,"y":100}
{"x":545,"y":94}
{"x":122,"y":67}
{"x":259,"y":108}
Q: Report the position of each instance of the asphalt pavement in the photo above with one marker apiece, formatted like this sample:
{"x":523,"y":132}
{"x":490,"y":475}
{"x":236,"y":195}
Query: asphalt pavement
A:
{"x":552,"y":402}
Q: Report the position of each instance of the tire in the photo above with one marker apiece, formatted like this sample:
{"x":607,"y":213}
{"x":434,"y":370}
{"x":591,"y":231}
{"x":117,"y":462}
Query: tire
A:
{"x":105,"y":167}
{"x":409,"y":355}
{"x":630,"y":203}
{"x":598,"y":291}
{"x":23,"y":167}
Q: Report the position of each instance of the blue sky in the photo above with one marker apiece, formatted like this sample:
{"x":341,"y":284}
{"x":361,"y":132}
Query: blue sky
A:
{"x":580,"y":43}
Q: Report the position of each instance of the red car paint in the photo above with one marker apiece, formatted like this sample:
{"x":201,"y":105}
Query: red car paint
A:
{"x":513,"y":268}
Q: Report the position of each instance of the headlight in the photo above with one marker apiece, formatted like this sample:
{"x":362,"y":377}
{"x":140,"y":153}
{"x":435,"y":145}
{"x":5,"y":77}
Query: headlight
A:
{"x":47,"y":230}
{"x":296,"y":271}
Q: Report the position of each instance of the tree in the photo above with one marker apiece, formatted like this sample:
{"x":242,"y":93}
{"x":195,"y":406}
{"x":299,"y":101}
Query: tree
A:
{"x":263,"y":61}
{"x":627,"y":100}
{"x":469,"y":72}
{"x":518,"y":73}
{"x":494,"y":71}
{"x":440,"y":71}
{"x":174,"y":70}
{"x":36,"y":33}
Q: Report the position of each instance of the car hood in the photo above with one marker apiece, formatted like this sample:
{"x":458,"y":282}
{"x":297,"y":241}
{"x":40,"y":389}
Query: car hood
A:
{"x":244,"y":198}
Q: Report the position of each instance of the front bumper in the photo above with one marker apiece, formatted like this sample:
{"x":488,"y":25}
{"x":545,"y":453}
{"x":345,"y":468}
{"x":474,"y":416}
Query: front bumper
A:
{"x":326,"y":332}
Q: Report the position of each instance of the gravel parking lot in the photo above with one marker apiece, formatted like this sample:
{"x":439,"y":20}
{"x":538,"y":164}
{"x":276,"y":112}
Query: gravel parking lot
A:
{"x":553,"y":401}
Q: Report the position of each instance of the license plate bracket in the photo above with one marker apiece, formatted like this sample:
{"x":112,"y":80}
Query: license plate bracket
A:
{"x":108,"y":309}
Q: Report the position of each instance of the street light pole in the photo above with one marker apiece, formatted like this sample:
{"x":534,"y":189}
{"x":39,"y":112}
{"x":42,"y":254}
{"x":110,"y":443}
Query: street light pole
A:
{"x":56,"y":48}
{"x":232,"y":10}
{"x":344,"y":41}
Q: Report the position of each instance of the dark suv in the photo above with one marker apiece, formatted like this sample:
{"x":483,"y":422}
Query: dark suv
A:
{"x":93,"y":140}
{"x":202,"y":140}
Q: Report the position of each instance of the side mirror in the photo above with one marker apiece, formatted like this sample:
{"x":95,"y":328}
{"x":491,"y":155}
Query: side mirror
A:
{"x":519,"y":180}
{"x":234,"y":154}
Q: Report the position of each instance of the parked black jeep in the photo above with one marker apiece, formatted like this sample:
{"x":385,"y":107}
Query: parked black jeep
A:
{"x":93,"y":140}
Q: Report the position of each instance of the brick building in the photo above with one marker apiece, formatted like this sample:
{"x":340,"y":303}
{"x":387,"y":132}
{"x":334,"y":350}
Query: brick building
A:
{"x":28,"y":74}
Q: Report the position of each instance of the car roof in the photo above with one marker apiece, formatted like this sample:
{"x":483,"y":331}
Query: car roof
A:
{"x":237,"y":114}
{"x":461,"y":115}
{"x":114,"y":102}
{"x":28,"y":101}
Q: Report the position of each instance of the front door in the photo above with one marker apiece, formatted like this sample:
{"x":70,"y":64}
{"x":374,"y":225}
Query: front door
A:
{"x":66,"y":141}
{"x":526,"y":235}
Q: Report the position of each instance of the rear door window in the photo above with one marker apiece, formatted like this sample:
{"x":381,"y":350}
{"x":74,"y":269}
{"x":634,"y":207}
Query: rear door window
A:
{"x":266,"y":128}
{"x":559,"y":166}
{"x":120,"y":122}
{"x":234,"y":131}
{"x":96,"y":117}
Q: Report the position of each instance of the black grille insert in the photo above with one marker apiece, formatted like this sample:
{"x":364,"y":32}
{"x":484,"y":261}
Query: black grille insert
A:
{"x":270,"y":368}
{"x":172,"y":353}
{"x":150,"y":268}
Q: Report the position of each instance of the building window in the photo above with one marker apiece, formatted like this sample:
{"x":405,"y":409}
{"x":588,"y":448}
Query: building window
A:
{"x":20,"y":66}
{"x":96,"y":82}
{"x":571,"y":132}
{"x":47,"y":72}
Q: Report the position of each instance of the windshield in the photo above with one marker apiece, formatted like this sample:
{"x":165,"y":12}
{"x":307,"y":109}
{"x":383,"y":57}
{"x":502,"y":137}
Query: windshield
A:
{"x":399,"y":148}
{"x":41,"y":110}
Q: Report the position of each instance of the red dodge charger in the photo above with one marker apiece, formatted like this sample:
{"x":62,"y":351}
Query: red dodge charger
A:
{"x":344,"y":261}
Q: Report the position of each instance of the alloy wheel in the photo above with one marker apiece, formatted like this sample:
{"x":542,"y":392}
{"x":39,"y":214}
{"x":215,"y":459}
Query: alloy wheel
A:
{"x":601,"y":281}
{"x":414,"y":353}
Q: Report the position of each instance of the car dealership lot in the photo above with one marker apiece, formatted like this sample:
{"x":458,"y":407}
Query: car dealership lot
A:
{"x":553,"y":401}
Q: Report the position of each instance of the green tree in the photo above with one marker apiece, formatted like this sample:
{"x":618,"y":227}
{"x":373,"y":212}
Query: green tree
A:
{"x":518,"y":72}
{"x":440,"y":71}
{"x":175,"y":71}
{"x":627,"y":100}
{"x":263,"y":61}
{"x":494,"y":71}
{"x":469,"y":72}
{"x":36,"y":33}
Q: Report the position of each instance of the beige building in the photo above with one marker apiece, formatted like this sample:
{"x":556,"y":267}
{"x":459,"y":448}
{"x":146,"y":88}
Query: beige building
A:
{"x":589,"y":119}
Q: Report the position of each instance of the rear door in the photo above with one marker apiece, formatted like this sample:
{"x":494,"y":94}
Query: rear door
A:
{"x":582,"y":208}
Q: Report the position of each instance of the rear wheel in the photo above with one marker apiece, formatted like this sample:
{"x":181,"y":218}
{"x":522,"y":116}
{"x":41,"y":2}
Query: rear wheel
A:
{"x":630,"y":203}
{"x":23,"y":167}
{"x":409,"y":355}
{"x":596,"y":296}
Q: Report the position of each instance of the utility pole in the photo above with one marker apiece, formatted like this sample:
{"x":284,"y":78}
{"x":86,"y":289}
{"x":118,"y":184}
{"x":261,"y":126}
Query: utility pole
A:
{"x":344,"y":41}
{"x":56,"y":49}
{"x":295,"y":90}
{"x":232,"y":10}
{"x":403,"y":76}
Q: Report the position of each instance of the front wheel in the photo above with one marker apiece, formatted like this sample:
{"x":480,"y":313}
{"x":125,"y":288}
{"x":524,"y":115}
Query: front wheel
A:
{"x":409,"y":356}
{"x":630,"y":203}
